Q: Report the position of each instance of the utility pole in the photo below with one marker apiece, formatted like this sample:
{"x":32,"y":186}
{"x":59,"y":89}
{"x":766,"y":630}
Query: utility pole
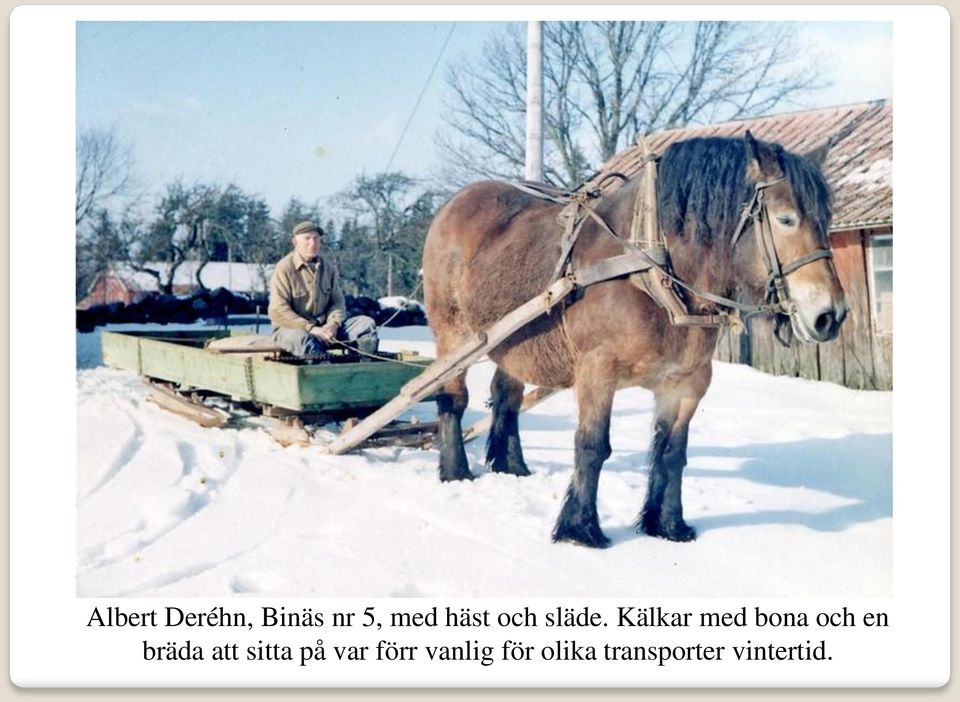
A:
{"x":390,"y":274}
{"x":534,"y":146}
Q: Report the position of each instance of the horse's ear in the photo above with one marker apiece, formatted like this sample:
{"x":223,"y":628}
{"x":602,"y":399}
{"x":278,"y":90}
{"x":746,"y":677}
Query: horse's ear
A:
{"x":762,"y":160}
{"x":754,"y":165}
{"x":819,"y":154}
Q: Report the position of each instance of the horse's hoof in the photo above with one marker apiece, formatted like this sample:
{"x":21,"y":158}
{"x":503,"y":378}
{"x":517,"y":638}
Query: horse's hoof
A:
{"x":521,"y":470}
{"x":681,"y":532}
{"x":591,"y":535}
{"x":674,"y":530}
{"x":449,"y":477}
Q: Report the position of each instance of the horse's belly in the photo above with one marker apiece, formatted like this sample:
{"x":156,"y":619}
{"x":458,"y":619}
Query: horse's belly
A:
{"x":537,"y":354}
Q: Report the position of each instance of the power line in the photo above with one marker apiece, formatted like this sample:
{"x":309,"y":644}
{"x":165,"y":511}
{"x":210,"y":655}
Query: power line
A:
{"x":420,"y":97}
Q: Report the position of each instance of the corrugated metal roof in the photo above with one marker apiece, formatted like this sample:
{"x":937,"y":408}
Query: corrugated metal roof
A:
{"x":859,"y":165}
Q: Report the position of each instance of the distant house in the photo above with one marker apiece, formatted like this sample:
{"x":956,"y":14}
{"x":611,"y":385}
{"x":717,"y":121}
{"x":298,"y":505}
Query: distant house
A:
{"x":121,"y":283}
{"x":859,"y":168}
{"x":109,"y":287}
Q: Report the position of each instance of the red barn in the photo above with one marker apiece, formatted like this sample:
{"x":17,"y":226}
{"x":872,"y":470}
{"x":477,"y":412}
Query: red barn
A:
{"x":859,"y":168}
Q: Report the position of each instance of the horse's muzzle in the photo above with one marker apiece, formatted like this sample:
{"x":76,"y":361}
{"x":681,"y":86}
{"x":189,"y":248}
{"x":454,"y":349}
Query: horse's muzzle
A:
{"x":827,"y":324}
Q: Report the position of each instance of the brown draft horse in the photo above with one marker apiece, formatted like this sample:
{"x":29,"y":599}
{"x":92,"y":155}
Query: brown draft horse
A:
{"x":493,"y":247}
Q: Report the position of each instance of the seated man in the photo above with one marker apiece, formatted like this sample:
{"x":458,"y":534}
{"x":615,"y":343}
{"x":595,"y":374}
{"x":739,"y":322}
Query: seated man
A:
{"x":307,"y":308}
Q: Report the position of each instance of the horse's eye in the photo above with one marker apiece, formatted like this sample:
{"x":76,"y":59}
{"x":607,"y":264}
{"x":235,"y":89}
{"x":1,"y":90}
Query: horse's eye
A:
{"x":787,"y":220}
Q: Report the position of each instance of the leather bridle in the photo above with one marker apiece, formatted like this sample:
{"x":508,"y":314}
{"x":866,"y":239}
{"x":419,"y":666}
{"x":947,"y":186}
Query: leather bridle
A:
{"x":776,"y":296}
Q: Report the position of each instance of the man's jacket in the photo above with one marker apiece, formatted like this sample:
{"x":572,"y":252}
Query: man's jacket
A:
{"x":300,"y":298}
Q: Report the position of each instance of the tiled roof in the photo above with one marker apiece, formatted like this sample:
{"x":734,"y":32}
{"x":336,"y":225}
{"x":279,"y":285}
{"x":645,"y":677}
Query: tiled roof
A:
{"x":859,"y":165}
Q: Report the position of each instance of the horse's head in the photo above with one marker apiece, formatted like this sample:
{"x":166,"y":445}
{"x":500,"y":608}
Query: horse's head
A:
{"x":781,"y":252}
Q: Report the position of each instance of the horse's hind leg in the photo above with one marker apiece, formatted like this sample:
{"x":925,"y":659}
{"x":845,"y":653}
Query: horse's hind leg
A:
{"x":662,"y":513}
{"x":451,"y":402}
{"x":595,"y":385}
{"x":503,"y":443}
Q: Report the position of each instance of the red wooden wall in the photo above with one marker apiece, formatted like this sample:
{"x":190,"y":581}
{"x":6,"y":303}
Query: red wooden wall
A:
{"x":857,"y":359}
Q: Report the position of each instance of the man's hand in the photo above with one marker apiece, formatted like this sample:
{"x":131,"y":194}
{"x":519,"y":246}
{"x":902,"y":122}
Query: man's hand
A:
{"x":327,"y":333}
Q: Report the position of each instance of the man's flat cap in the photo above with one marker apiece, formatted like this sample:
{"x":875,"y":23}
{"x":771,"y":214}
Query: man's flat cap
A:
{"x":307,"y":226}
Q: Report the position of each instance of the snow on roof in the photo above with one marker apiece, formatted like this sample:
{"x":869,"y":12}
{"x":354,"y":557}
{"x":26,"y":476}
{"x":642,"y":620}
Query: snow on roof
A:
{"x":398,"y":302}
{"x":859,"y":165}
{"x":238,"y":277}
{"x":876,"y":176}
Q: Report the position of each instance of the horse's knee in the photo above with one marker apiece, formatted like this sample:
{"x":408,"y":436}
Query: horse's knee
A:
{"x":453,"y":398}
{"x":593,"y":444}
{"x":506,"y":391}
{"x":446,"y":404}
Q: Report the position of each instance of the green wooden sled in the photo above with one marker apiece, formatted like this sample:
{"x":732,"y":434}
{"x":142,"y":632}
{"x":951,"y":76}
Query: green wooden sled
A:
{"x":181,"y":357}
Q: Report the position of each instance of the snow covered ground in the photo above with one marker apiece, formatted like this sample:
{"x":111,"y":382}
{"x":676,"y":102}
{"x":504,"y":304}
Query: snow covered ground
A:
{"x":789,"y":485}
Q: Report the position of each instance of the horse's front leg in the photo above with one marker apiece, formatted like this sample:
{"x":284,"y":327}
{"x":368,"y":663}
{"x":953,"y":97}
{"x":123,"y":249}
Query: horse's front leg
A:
{"x":662,"y":513}
{"x":595,"y":384}
{"x":451,"y":402}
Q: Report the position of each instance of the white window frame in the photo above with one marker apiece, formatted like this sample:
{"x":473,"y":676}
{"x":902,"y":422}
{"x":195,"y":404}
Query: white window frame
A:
{"x":872,"y":241}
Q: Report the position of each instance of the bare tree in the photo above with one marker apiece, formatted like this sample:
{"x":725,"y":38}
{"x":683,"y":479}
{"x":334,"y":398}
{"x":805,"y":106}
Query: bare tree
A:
{"x":607,"y":82}
{"x":381,"y":247}
{"x":105,"y":171}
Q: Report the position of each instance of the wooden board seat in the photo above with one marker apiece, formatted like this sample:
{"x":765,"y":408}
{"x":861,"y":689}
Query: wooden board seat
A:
{"x":246,"y":343}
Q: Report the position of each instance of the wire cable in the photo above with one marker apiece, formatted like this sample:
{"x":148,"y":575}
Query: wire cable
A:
{"x":420,"y":97}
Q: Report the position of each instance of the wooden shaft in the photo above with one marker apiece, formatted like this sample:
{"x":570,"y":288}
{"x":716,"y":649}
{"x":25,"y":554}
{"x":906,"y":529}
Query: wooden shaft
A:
{"x":458,"y":360}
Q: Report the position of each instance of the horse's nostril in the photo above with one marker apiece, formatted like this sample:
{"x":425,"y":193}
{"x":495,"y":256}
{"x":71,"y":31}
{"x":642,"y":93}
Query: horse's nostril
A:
{"x":826,"y":324}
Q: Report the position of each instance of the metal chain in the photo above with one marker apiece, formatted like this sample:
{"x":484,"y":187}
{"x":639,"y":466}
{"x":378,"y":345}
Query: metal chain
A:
{"x":248,"y":374}
{"x":356,"y":350}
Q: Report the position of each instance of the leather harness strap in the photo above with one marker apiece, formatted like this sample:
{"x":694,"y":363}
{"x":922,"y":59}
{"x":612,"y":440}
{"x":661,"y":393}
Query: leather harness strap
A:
{"x":653,"y":260}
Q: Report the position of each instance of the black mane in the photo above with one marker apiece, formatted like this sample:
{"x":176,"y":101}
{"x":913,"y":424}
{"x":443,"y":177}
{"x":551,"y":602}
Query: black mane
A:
{"x":702,"y":187}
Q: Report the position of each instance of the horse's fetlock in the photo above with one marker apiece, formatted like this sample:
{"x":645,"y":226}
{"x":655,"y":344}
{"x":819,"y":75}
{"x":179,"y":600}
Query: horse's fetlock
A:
{"x":665,"y":524}
{"x":578,"y":523}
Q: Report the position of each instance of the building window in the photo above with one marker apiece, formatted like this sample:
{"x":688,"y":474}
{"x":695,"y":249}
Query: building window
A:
{"x":881,"y":282}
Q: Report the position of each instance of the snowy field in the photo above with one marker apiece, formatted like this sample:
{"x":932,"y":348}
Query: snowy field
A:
{"x":789,"y":485}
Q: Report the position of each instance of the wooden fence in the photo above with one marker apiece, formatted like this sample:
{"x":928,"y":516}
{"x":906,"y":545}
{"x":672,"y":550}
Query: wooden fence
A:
{"x":859,"y":358}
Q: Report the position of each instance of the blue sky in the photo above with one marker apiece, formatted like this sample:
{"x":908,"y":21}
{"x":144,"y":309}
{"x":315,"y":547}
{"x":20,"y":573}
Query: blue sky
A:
{"x":298,"y":109}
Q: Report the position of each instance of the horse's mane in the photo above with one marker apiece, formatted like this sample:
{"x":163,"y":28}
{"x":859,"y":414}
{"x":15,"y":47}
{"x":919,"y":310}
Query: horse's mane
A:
{"x":702,"y":184}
